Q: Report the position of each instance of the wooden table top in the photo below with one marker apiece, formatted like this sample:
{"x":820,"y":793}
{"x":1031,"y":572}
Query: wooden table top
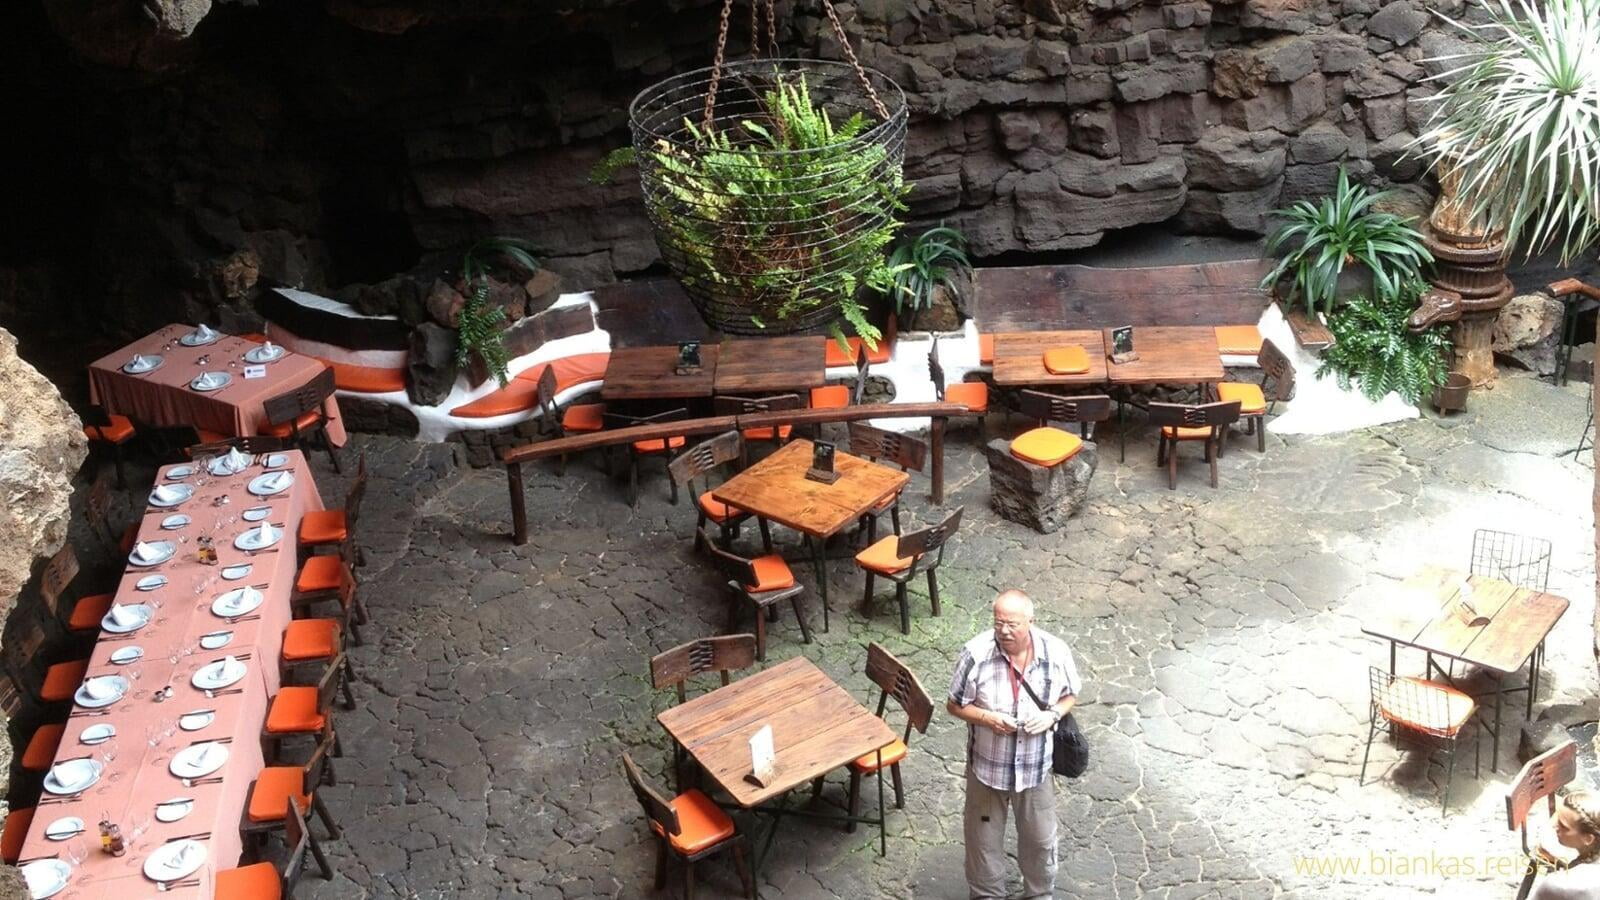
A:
{"x":777,"y":489}
{"x":1424,"y":616}
{"x":647,"y":373}
{"x":1019,"y":357}
{"x":1170,"y":354}
{"x":817,"y":727}
{"x":753,"y":366}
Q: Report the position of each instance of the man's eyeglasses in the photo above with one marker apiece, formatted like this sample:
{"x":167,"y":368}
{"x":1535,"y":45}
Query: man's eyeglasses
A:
{"x":1002,"y":625}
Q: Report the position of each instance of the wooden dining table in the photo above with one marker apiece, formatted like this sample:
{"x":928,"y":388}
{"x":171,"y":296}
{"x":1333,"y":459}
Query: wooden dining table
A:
{"x":776,"y":489}
{"x":1169,"y":354}
{"x":1426,"y":614}
{"x":650,"y":373}
{"x":770,"y":365}
{"x":817,"y":727}
{"x":1019,"y":358}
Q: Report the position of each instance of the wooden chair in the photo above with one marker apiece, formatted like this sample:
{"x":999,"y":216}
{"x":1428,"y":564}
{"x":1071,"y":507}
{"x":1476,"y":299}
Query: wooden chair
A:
{"x":321,"y":528}
{"x":1539,"y":780}
{"x":1047,"y":445}
{"x":576,"y":418}
{"x":897,"y":558}
{"x":974,"y":395}
{"x":762,"y":582}
{"x":111,"y":431}
{"x":306,"y":710}
{"x":688,"y":828}
{"x":893,"y":679}
{"x":638,"y":450}
{"x":14,"y":833}
{"x":1429,"y":713}
{"x":262,"y":880}
{"x":40,"y":751}
{"x":326,"y":578}
{"x":1181,"y":423}
{"x":97,"y":510}
{"x":1256,"y":401}
{"x":255,"y":444}
{"x":87,"y":610}
{"x":722,"y":654}
{"x":724,"y":405}
{"x":880,"y":445}
{"x":296,"y":416}
{"x":280,"y":790}
{"x":703,"y":459}
{"x":839,"y":396}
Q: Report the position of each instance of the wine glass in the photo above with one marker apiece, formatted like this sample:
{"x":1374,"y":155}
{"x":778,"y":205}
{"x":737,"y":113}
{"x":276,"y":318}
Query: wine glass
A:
{"x":75,"y":852}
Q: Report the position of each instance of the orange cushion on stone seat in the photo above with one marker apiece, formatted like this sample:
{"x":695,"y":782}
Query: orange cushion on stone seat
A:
{"x":833,"y":396}
{"x":323,"y":526}
{"x":974,"y":395}
{"x":320,"y":573}
{"x":701,"y":823}
{"x":659,"y":445}
{"x":306,"y":422}
{"x":1046,"y":446}
{"x":881,"y":557}
{"x":716,"y":510}
{"x":893,"y":752}
{"x":62,"y":679}
{"x":1443,"y":709}
{"x":259,"y":881}
{"x":1251,"y":400}
{"x":13,"y":832}
{"x":366,"y":379}
{"x":575,"y":370}
{"x":778,"y":433}
{"x":772,"y":574}
{"x":584,"y":417}
{"x":42,"y":748}
{"x":518,"y":396}
{"x":307,"y":639}
{"x":269,"y":798}
{"x":1073,"y":360}
{"x":88,"y":612}
{"x":1185,"y":433}
{"x":117,"y":430}
{"x":986,"y":349}
{"x":294,"y":711}
{"x":1238,"y":340}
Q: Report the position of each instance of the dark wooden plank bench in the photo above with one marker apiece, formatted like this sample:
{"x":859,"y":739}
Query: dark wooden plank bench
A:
{"x":1028,"y":298}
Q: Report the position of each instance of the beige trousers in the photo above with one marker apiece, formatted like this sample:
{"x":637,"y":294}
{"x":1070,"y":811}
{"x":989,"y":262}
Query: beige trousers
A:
{"x":985,"y":828}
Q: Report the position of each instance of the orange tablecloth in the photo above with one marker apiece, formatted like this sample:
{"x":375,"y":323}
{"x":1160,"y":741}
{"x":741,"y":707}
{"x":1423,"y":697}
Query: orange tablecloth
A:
{"x":138,"y":778}
{"x":163,"y":396}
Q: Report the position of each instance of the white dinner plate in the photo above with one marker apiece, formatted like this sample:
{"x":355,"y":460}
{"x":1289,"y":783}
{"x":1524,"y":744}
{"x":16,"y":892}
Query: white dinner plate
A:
{"x":46,"y":877}
{"x":225,"y":465}
{"x":177,"y":472}
{"x":124,"y":655}
{"x":261,"y":354}
{"x":137,"y":616}
{"x":151,"y":582}
{"x":143,"y":363}
{"x":98,"y":733}
{"x":194,"y":721}
{"x":175,"y":860}
{"x":234,"y":573}
{"x":117,"y":685}
{"x":252,"y":540}
{"x":271,"y":483}
{"x":275,"y":460}
{"x":171,"y":494}
{"x":211,"y":381}
{"x":196,"y":339}
{"x":174,"y":522}
{"x":217,"y":675}
{"x":174,"y":809}
{"x":72,"y":776}
{"x":256,"y":513}
{"x":63,"y":828}
{"x":216,"y":640}
{"x":163,"y":551}
{"x":237,"y":602}
{"x":199,"y":760}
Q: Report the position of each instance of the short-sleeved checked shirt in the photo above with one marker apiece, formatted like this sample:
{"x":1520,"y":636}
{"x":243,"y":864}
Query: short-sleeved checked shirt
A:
{"x":1011,"y":762}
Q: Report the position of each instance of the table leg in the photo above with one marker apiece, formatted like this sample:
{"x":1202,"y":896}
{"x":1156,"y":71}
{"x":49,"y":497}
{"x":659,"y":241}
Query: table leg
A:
{"x":1499,"y":696}
{"x":519,"y":503}
{"x":1392,"y":648}
{"x":883,"y":821}
{"x":820,"y":560}
{"x":759,"y":859}
{"x":1122,"y":432}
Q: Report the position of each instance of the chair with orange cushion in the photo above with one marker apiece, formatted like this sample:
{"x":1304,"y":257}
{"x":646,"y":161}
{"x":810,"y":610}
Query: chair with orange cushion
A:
{"x":109,"y":430}
{"x":688,"y":828}
{"x":1426,"y":712}
{"x":61,"y":681}
{"x":974,"y":395}
{"x":332,"y":527}
{"x":1180,"y":423}
{"x":839,"y":396}
{"x":329,"y":578}
{"x":262,"y":880}
{"x":297,"y":415}
{"x":305,"y":709}
{"x":317,"y":640}
{"x":985,"y":349}
{"x":777,"y":435}
{"x":57,"y":576}
{"x":40,"y":753}
{"x":13,"y":833}
{"x":576,"y":418}
{"x":673,"y":668}
{"x":662,"y":446}
{"x":1238,"y":340}
{"x":898,"y":557}
{"x":880,"y":445}
{"x":893,"y":680}
{"x":1046,"y":445}
{"x":1256,"y":401}
{"x":761,"y":583}
{"x":279,"y":789}
{"x":211,"y":444}
{"x":703,"y":459}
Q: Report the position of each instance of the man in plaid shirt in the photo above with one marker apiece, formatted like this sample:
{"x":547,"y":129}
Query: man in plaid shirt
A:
{"x":1009,"y":747}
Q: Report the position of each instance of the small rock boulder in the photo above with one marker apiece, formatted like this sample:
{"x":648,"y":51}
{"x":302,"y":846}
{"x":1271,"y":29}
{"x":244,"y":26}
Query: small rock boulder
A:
{"x":1528,"y":331}
{"x":1040,"y":498}
{"x":431,"y":369}
{"x":542,"y":290}
{"x":444,"y":304}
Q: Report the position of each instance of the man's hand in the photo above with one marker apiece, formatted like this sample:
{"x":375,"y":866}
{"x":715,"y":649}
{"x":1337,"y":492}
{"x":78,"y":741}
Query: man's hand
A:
{"x":1001,"y":724}
{"x":1040,"y":722}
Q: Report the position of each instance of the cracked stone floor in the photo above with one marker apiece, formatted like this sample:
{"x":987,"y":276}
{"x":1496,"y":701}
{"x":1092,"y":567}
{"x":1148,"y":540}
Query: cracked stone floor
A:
{"x":1218,"y":632}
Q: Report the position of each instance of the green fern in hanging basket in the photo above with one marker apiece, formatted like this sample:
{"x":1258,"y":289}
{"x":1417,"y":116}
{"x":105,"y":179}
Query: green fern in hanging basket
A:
{"x":1374,"y":347}
{"x":479,"y":327}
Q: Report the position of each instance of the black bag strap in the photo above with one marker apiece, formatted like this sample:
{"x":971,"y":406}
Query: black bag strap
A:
{"x":1031,"y":695}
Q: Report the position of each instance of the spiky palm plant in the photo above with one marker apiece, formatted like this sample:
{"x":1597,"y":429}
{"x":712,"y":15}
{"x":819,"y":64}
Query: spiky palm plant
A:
{"x":933,"y":258}
{"x":1519,"y":122}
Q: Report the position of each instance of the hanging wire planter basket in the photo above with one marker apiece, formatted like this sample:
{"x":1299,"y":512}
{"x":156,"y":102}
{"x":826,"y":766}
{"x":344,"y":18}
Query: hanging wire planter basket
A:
{"x":773,"y":186}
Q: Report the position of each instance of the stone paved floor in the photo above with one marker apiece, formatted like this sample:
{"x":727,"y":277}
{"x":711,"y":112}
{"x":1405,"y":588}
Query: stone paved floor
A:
{"x":1218,"y":632}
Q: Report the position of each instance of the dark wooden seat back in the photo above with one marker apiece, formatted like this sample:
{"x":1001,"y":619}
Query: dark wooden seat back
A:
{"x":705,"y":457}
{"x":878,"y":445}
{"x":297,"y":837}
{"x":354,"y":496}
{"x":1047,"y":408}
{"x":918,"y":544}
{"x":722,"y":654}
{"x":1539,"y":780}
{"x":545,"y":392}
{"x":1206,"y":415}
{"x":328,"y":686}
{"x":668,"y":415}
{"x":316,"y":771}
{"x":726,"y":405}
{"x":862,"y":364}
{"x":56,"y":576}
{"x":291,"y":405}
{"x":936,"y":371}
{"x":732,"y":566}
{"x":895,"y":680}
{"x":97,"y":509}
{"x":1278,"y":372}
{"x":252,"y":443}
{"x":656,"y":808}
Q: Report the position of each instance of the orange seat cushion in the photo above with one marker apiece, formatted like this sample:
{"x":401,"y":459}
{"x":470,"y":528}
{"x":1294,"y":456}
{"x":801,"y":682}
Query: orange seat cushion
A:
{"x":323,"y":526}
{"x":659,"y":445}
{"x":1252,"y":402}
{"x":269,"y":798}
{"x":1185,"y":433}
{"x":716,"y":510}
{"x":88,"y":612}
{"x":1046,"y":446}
{"x":834,"y":356}
{"x":320,"y":573}
{"x":42,"y":748}
{"x":13,"y":832}
{"x":307,"y":639}
{"x":778,"y":433}
{"x":254,"y":337}
{"x":584,"y":417}
{"x":974,"y":395}
{"x":366,"y":379}
{"x":518,"y":396}
{"x":833,"y":396}
{"x":212,"y":437}
{"x":1238,"y":340}
{"x":294,"y":711}
{"x":772,"y":574}
{"x":893,"y":752}
{"x":116,"y":431}
{"x":62,"y":679}
{"x":574,"y":370}
{"x":254,"y":882}
{"x":882,"y":558}
{"x":306,"y":422}
{"x":1073,"y":360}
{"x":1442,"y":711}
{"x":986,"y":349}
{"x":701,"y":823}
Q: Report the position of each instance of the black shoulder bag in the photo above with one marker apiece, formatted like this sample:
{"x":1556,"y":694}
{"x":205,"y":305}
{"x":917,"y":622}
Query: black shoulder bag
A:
{"x":1071,"y":756}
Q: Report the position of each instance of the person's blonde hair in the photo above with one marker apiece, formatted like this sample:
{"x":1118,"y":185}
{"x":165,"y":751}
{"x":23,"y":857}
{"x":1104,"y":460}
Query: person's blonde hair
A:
{"x":1586,"y":805}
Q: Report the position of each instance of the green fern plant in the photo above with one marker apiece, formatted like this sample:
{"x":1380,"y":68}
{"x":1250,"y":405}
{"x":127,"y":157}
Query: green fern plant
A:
{"x":479,"y":327}
{"x":1374,"y":347}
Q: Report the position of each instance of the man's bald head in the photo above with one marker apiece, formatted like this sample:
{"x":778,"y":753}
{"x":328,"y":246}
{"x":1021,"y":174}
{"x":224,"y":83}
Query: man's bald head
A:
{"x":1013,"y":618}
{"x":1014,"y":602}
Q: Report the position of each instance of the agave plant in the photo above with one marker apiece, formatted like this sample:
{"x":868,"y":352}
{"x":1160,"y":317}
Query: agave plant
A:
{"x":937,"y":257}
{"x":1519,"y":122}
{"x":1341,"y":231}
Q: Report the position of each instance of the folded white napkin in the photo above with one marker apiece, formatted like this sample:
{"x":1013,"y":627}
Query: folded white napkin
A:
{"x":100,"y":688}
{"x":70,"y":772}
{"x":264,"y":534}
{"x":140,"y":360}
{"x":268,"y":350}
{"x":236,"y":460}
{"x":166,"y":493}
{"x":204,"y":331}
{"x":122,"y":615}
{"x":145,"y":551}
{"x":185,"y":848}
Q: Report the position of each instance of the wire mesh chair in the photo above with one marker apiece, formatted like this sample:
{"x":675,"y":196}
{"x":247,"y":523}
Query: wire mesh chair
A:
{"x":1521,"y":560}
{"x":1430,"y":714}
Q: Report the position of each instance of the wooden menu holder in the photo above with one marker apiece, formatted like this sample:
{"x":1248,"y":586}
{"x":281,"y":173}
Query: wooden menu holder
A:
{"x":688,"y":358}
{"x":1122,"y":345}
{"x":763,"y":761}
{"x":822,"y":463}
{"x":1470,"y":615}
